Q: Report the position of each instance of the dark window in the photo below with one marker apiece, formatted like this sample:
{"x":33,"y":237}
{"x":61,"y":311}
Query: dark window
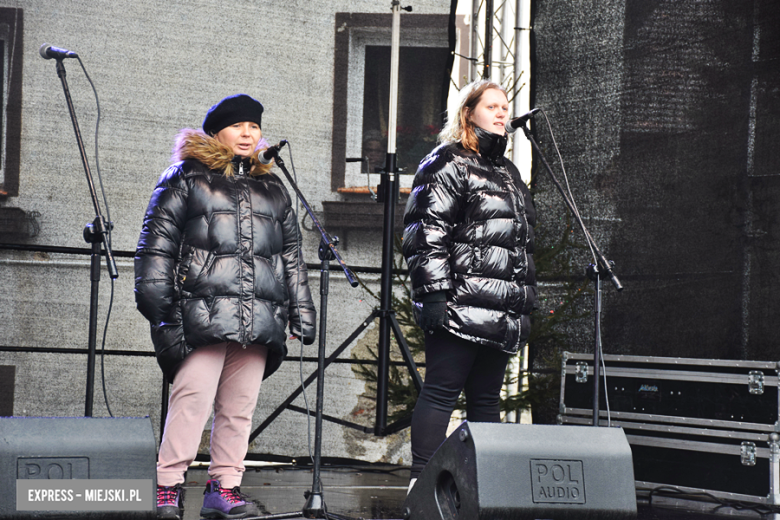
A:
{"x":361,"y":91}
{"x":421,"y":105}
{"x":11,"y":52}
{"x":7,"y":383}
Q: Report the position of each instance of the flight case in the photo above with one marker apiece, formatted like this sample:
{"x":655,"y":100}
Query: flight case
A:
{"x":699,"y":429}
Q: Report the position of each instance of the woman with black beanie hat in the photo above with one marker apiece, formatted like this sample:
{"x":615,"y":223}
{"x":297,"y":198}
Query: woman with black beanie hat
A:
{"x":219,"y":275}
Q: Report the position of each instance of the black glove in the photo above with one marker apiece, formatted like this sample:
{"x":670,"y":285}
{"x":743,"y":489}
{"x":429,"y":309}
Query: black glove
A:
{"x":433,"y":315}
{"x":303,"y":317}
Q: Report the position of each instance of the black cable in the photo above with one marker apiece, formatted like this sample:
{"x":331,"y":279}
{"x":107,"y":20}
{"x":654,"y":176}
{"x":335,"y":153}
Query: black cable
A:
{"x":568,"y":188}
{"x":672,"y":492}
{"x":604,"y":369}
{"x":97,"y":158}
{"x":300,"y":317}
{"x":103,"y":350}
{"x":108,"y":227}
{"x":593,"y":254}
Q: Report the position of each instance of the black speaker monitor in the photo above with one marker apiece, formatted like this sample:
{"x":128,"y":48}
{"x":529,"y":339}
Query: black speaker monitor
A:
{"x":515,"y":471}
{"x":77,"y":467}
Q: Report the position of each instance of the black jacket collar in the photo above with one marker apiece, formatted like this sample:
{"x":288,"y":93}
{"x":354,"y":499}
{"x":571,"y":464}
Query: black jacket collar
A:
{"x":491,"y":146}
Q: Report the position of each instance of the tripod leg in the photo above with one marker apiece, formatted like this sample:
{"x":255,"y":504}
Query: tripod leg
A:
{"x":407,"y":354}
{"x":404,"y":422}
{"x":282,"y":407}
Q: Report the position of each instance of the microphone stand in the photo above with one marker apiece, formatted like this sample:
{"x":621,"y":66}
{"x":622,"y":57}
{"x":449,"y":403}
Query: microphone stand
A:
{"x":388,"y":195}
{"x":95,"y":233}
{"x":602,"y":269}
{"x":315,"y":502}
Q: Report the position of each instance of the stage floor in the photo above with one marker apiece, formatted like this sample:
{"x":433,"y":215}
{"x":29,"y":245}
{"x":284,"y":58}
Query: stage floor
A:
{"x":371,"y":491}
{"x":377,"y":491}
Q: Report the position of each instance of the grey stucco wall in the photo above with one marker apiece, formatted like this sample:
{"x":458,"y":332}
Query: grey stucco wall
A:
{"x":157,"y":67}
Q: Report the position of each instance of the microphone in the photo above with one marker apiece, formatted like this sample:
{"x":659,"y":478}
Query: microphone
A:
{"x":517,"y":122}
{"x":268,"y":155}
{"x":48,"y":52}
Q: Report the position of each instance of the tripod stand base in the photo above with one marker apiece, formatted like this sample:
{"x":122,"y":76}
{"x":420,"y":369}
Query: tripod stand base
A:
{"x":315,"y":506}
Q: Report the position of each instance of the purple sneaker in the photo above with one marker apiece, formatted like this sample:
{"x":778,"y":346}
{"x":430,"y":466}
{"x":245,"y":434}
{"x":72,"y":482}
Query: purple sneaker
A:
{"x":219,"y":502}
{"x":169,"y":502}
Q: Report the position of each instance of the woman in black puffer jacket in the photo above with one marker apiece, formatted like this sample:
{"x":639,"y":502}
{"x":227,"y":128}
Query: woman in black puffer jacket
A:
{"x":468,"y":243}
{"x":219,"y":275}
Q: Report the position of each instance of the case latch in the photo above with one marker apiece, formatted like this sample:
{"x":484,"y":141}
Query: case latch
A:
{"x":747,"y":453}
{"x":756,"y":382}
{"x":581,"y":375}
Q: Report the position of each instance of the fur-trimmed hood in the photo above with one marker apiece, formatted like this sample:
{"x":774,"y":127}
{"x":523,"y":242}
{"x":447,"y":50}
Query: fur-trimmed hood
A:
{"x":196,"y":144}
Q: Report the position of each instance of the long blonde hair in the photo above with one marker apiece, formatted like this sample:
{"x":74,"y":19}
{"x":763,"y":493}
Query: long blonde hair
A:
{"x":460,"y":127}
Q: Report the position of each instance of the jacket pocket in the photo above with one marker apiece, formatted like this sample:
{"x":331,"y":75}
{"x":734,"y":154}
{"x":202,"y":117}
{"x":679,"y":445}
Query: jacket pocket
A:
{"x":194,"y":272}
{"x":181,"y":273}
{"x":477,"y":249}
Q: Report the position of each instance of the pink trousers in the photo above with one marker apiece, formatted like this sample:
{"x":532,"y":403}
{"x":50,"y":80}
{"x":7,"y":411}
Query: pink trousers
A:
{"x":227,"y":376}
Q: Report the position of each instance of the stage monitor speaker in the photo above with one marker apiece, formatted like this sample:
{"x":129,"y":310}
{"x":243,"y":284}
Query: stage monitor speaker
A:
{"x":77,"y":467}
{"x":502,"y":471}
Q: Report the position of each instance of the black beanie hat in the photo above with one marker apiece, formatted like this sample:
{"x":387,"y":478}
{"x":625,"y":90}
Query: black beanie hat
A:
{"x":231,"y":110}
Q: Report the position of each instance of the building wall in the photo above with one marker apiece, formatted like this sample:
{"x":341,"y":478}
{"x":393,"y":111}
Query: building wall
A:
{"x":157,"y":67}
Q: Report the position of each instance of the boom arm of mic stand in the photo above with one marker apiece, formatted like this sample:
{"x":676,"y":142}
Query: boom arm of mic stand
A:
{"x":100,"y":227}
{"x":603,"y":264}
{"x":326,"y":238}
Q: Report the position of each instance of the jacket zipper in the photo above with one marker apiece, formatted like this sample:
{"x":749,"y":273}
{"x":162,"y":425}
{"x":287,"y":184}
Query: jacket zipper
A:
{"x":244,"y":332}
{"x":241,"y":262}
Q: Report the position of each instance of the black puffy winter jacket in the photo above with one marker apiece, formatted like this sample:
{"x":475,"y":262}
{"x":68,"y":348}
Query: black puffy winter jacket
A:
{"x":218,"y":259}
{"x":469,"y":231}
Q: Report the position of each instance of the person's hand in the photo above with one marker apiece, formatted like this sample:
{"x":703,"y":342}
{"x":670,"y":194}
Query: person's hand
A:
{"x":433,"y":314}
{"x":306,"y":340}
{"x":308,"y":333}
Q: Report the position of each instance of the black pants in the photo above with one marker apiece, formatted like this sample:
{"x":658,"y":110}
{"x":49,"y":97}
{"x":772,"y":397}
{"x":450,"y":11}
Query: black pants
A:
{"x":452,"y":365}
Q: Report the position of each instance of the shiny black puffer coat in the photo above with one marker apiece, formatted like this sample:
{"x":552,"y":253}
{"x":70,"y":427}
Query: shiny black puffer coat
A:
{"x":469,"y":231}
{"x":218,"y":259}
